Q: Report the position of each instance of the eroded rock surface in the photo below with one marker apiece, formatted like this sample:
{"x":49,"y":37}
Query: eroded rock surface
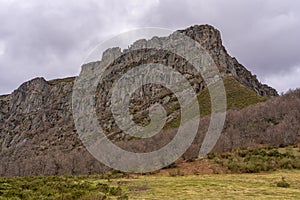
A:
{"x":37,"y":131}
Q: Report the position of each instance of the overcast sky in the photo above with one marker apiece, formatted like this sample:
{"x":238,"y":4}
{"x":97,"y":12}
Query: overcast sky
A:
{"x":52,"y":38}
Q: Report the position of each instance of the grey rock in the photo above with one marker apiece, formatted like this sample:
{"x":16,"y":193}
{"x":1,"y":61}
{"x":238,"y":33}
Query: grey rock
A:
{"x":37,"y":131}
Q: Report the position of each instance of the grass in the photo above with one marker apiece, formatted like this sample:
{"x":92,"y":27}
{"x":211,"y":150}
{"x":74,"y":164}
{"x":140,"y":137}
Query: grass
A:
{"x":282,"y":184}
{"x":217,"y":186}
{"x":238,"y":97}
{"x":279,"y":180}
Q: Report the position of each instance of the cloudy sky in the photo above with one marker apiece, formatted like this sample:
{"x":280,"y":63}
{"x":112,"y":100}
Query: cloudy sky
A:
{"x":52,"y":38}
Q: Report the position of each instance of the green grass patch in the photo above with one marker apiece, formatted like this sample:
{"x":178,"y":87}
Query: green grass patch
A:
{"x":238,"y":97}
{"x":218,"y":186}
{"x":283,"y":184}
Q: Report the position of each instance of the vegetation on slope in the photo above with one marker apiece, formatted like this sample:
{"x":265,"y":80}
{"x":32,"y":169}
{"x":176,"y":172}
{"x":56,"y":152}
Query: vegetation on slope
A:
{"x":258,"y":160}
{"x":238,"y":97}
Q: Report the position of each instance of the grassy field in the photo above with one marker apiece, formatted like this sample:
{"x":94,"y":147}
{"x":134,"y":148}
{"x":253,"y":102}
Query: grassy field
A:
{"x":216,"y":186}
{"x":220,"y":176}
{"x":209,"y":186}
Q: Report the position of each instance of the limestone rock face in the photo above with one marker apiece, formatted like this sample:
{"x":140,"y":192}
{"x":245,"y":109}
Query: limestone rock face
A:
{"x":210,"y":39}
{"x":37,"y":131}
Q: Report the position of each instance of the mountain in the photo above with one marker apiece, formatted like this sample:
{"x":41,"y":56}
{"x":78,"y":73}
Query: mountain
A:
{"x":38,"y":135}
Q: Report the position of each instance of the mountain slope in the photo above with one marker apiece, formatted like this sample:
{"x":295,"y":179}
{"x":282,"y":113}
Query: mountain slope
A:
{"x":37,"y":132}
{"x":238,"y":97}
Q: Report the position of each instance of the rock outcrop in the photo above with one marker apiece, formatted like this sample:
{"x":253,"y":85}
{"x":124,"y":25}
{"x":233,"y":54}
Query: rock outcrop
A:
{"x":37,"y":131}
{"x":210,"y":39}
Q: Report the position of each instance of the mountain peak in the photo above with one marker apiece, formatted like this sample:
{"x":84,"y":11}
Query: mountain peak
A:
{"x":37,"y":127}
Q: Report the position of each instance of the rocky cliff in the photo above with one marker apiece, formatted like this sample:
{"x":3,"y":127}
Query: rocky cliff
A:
{"x":37,"y":132}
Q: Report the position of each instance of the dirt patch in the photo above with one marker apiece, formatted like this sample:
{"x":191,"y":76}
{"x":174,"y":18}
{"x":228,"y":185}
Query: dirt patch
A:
{"x":197,"y":167}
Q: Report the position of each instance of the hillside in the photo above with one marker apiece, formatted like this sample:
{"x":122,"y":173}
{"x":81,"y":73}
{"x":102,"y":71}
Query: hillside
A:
{"x":38,"y":135}
{"x":238,"y":97}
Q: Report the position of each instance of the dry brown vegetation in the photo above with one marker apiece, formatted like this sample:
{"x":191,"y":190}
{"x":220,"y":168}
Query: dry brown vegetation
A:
{"x":272,"y":123}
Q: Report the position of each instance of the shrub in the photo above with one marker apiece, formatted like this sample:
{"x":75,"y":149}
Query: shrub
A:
{"x":103,"y":187}
{"x":211,"y":155}
{"x":253,"y":161}
{"x":283,"y":183}
{"x":115,"y":191}
{"x":175,"y":172}
{"x":56,"y":187}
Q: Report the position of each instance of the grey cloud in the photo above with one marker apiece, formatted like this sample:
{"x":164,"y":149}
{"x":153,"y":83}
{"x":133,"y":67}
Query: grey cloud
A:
{"x":263,"y":35}
{"x":51,"y":38}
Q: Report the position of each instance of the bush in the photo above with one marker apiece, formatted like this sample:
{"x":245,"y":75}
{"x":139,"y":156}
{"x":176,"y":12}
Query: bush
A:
{"x":103,"y":187}
{"x":175,"y":172}
{"x":258,"y":160}
{"x":115,"y":191}
{"x":211,"y":155}
{"x":283,"y":183}
{"x":56,"y":187}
